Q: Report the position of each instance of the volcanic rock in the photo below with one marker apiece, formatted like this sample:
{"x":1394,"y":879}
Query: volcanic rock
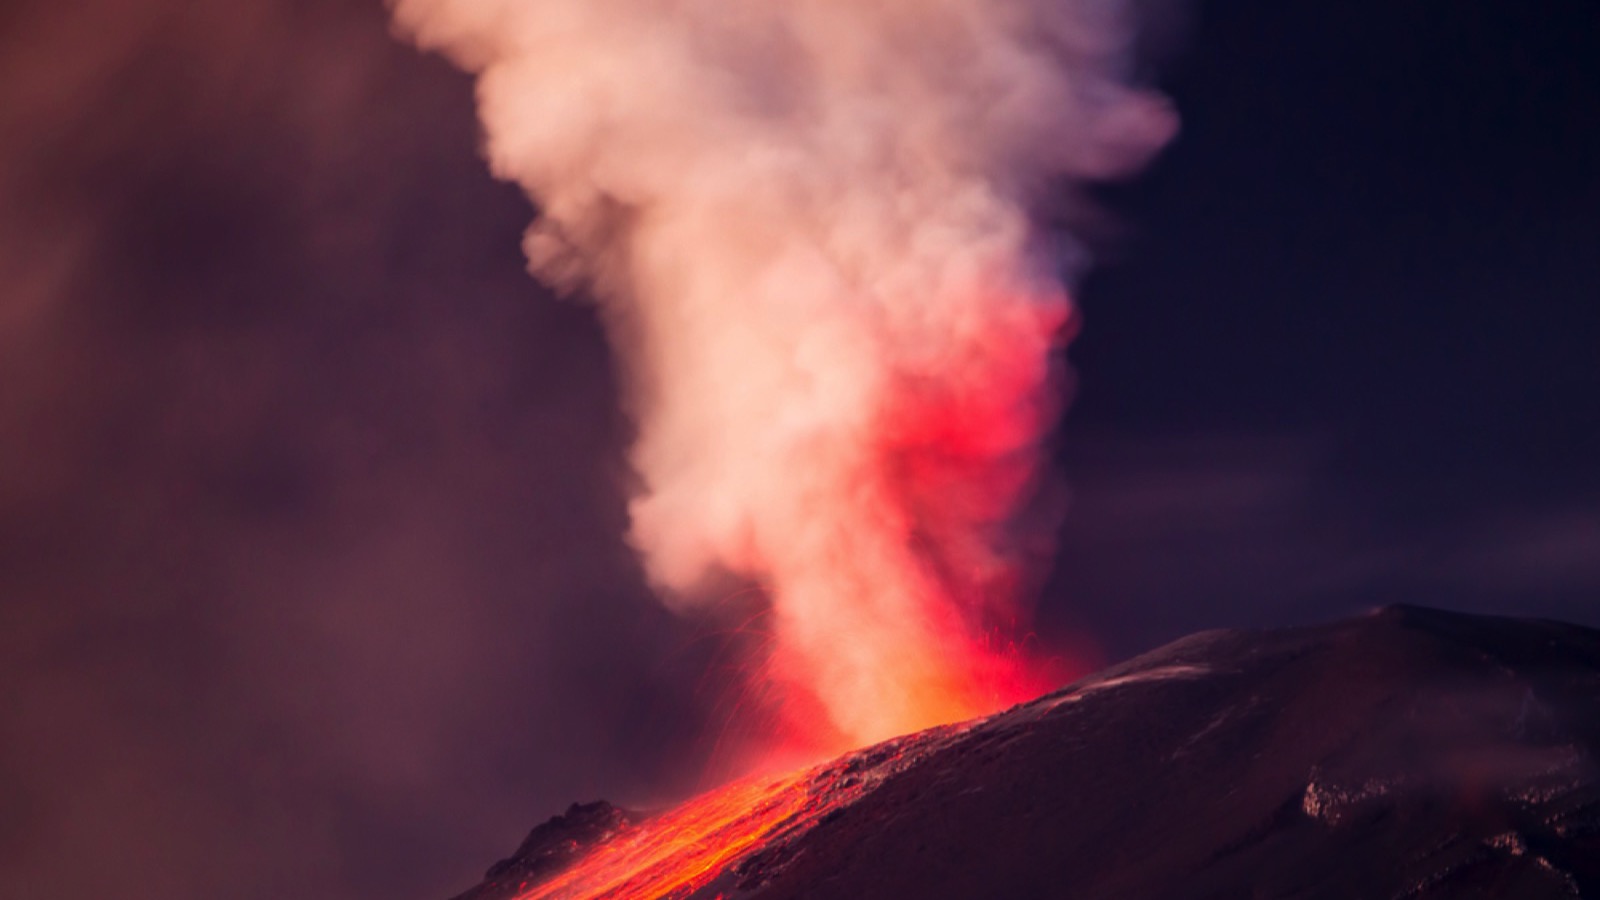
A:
{"x":550,"y":848}
{"x":1408,"y":755}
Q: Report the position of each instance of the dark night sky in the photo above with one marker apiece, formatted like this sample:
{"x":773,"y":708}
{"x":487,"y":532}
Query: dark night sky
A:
{"x":310,"y":500}
{"x":1356,"y":336}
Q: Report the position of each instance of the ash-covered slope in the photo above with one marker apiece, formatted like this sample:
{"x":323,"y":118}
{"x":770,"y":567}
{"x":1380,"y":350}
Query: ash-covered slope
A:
{"x":1408,"y":754}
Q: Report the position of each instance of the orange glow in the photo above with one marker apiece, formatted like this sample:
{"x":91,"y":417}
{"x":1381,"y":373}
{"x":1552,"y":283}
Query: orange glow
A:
{"x":684,"y":850}
{"x":681,"y":851}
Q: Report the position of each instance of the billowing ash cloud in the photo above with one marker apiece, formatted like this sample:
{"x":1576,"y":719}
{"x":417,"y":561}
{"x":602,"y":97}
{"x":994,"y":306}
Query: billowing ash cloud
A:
{"x":809,"y":226}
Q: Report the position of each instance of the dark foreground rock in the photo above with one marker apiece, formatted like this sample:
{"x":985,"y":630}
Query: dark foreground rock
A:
{"x":1408,"y":755}
{"x":552,"y":847}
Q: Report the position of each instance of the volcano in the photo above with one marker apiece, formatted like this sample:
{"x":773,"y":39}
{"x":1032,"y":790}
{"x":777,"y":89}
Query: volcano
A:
{"x":1410,"y":754}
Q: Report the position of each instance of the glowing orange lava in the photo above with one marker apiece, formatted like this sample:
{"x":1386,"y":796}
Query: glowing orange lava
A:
{"x":680,"y":852}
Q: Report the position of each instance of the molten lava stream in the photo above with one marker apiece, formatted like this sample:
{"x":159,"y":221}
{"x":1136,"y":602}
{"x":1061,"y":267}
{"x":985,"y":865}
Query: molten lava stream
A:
{"x":678,"y":853}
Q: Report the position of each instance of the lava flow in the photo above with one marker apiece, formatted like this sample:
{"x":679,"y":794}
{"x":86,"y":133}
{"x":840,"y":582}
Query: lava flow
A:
{"x":678,"y":853}
{"x":708,"y":846}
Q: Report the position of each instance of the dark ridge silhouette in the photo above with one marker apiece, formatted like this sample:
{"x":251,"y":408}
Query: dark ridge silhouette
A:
{"x":1411,"y":754}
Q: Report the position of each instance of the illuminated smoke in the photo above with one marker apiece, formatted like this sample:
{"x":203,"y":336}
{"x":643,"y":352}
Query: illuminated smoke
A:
{"x":808,"y":224}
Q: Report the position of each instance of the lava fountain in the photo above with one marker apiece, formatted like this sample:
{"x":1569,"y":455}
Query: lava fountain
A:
{"x":810,"y":226}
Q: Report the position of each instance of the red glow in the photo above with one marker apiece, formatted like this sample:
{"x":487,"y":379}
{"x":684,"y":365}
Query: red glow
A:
{"x":893,"y":578}
{"x":896,"y":586}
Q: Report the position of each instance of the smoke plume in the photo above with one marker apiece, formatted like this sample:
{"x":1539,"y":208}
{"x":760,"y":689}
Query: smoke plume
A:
{"x":810,"y":227}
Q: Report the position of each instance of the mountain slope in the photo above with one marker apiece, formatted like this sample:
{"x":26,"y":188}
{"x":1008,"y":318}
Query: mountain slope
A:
{"x":1408,"y":754}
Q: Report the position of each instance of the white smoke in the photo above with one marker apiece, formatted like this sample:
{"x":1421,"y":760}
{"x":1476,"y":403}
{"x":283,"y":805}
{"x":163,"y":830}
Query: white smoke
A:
{"x":808,"y":223}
